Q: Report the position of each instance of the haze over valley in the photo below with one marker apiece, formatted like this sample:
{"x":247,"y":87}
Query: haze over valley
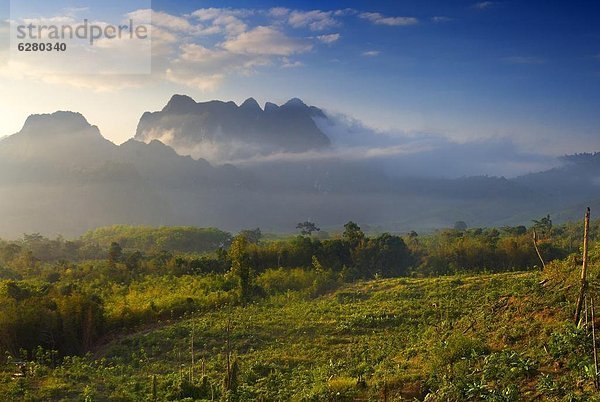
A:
{"x":233,"y":167}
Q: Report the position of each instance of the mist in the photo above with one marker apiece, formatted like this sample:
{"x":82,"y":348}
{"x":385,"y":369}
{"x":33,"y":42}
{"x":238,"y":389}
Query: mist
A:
{"x":194,"y":164}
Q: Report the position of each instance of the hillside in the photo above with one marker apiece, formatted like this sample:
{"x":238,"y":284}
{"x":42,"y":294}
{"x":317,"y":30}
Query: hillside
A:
{"x":492,"y":337}
{"x":461,"y":314}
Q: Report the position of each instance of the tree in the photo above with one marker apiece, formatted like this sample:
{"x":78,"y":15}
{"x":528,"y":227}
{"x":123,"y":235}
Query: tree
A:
{"x":307,"y":228}
{"x":385,"y":255}
{"x":543,"y":226}
{"x":460,"y":226}
{"x":240,"y":266}
{"x":133,"y":261}
{"x":514,"y":230}
{"x":252,"y":235}
{"x":353,"y":234}
{"x":115,"y":253}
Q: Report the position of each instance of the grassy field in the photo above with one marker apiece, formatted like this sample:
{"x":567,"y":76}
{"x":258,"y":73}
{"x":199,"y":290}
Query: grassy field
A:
{"x":484,"y":337}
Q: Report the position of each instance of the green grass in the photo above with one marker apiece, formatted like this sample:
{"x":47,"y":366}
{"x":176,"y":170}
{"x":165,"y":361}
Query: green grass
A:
{"x":484,"y":337}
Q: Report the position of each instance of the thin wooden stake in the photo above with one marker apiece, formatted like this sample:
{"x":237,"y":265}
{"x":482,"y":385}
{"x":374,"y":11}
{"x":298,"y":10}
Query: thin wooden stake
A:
{"x":537,"y":250}
{"x":385,"y":391}
{"x":594,"y":346}
{"x":585,"y":307}
{"x":192,"y":370}
{"x":228,"y":353}
{"x":584,"y":283}
{"x":180,"y":365}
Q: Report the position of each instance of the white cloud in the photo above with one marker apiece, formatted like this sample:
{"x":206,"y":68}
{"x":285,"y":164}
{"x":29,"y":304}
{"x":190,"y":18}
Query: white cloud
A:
{"x":242,"y":51}
{"x":75,"y":11}
{"x":181,"y":54}
{"x":287,"y":63}
{"x":223,"y":20}
{"x":380,"y":19}
{"x":484,"y":5}
{"x":207,"y":68}
{"x":279,"y":12}
{"x":331,"y":38}
{"x":201,"y":60}
{"x":205,"y":83}
{"x":207,"y":14}
{"x":230,"y":24}
{"x":55,"y":20}
{"x":43,"y":72}
{"x":440,"y":18}
{"x":163,"y":20}
{"x":345,"y":12}
{"x":371,"y":53}
{"x":421,"y":154}
{"x":315,"y":20}
{"x":266,"y":41}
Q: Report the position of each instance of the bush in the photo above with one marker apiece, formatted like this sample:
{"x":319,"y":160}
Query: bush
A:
{"x":277,"y":281}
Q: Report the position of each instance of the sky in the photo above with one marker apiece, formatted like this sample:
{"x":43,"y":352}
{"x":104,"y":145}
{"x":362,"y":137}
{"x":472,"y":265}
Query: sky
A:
{"x":520,"y":72}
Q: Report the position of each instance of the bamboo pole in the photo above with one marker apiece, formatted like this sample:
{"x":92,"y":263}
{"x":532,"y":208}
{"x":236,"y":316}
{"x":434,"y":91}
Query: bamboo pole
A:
{"x":585,"y":308}
{"x":192,"y":347}
{"x":594,"y":345}
{"x":584,"y":283}
{"x":537,"y":250}
{"x":228,"y":354}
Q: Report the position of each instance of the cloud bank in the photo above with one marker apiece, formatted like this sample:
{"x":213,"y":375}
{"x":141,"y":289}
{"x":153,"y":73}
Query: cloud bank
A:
{"x":399,"y":154}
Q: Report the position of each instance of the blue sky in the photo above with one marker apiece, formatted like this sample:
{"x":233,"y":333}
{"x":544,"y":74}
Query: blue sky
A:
{"x":523,"y":71}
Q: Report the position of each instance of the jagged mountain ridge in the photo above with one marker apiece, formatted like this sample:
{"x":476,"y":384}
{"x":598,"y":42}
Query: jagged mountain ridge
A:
{"x":232,"y":132}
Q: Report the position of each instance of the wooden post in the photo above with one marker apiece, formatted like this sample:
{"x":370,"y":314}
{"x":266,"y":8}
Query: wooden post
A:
{"x":385,"y":391}
{"x":585,"y":308}
{"x":192,"y":370}
{"x":594,"y":345}
{"x":228,"y":354}
{"x":584,"y":283}
{"x":537,"y":250}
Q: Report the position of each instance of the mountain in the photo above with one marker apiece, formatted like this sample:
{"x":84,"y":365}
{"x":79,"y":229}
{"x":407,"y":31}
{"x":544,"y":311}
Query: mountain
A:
{"x":578,"y":177}
{"x":58,"y":175}
{"x":569,"y":188}
{"x":63,"y":138}
{"x":227,"y":131}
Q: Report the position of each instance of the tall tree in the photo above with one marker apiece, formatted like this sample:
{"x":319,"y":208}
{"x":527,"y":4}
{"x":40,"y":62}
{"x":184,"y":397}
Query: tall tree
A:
{"x":240,"y":266}
{"x":115,"y":253}
{"x":252,"y":235}
{"x":353,"y":234}
{"x":307,"y":228}
{"x":460,"y":226}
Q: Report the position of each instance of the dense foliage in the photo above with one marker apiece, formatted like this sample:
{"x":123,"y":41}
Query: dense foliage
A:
{"x":148,"y":239}
{"x":60,"y":299}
